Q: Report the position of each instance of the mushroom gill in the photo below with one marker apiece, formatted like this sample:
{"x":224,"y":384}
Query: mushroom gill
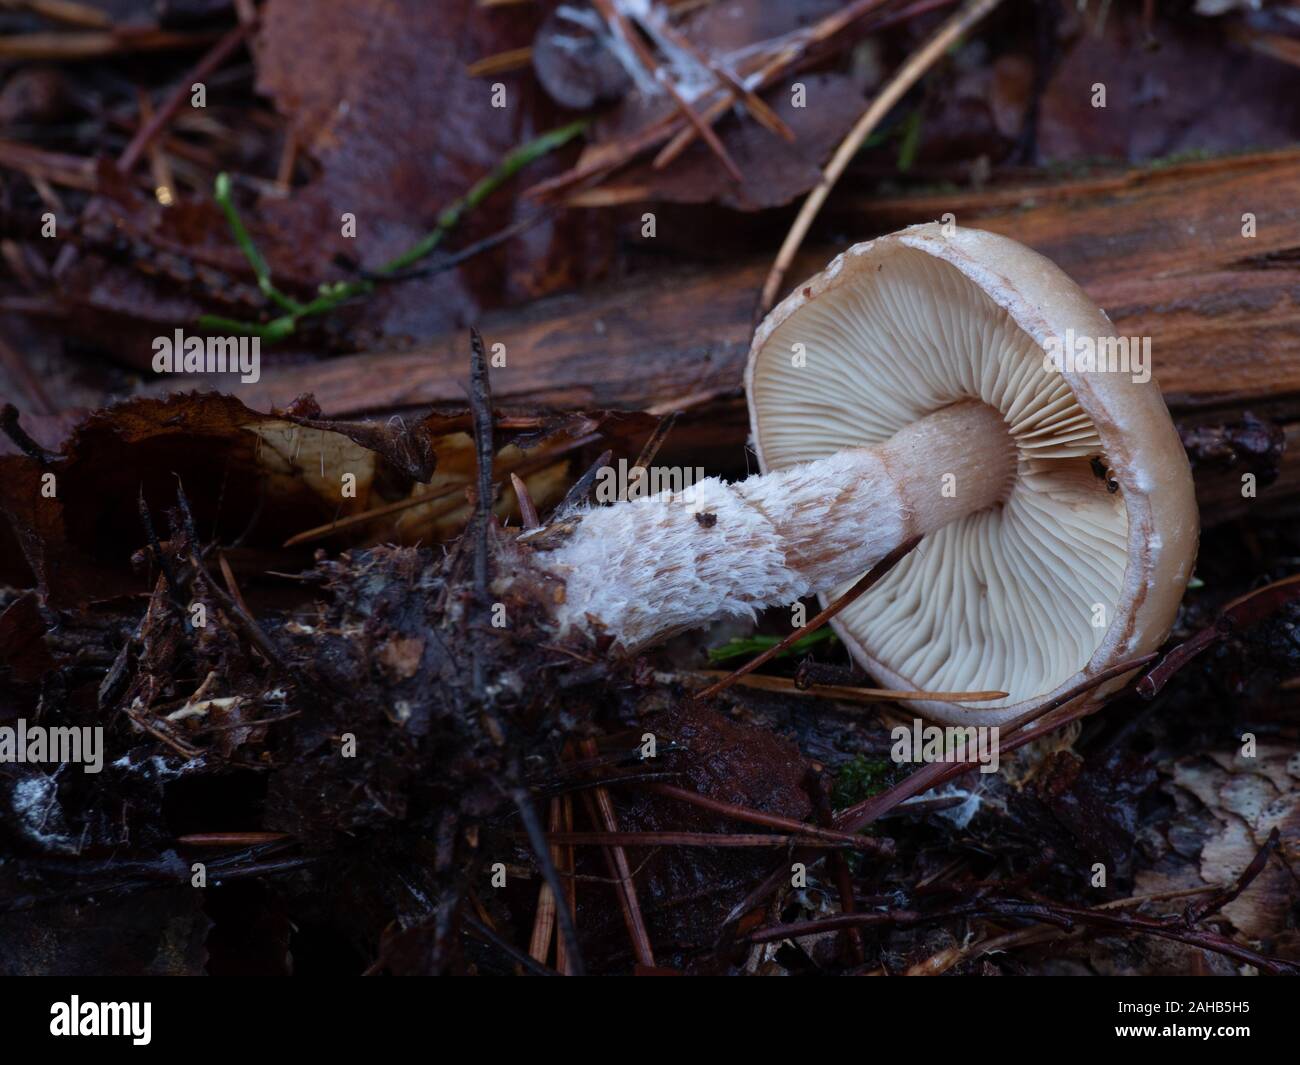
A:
{"x":1016,"y":597}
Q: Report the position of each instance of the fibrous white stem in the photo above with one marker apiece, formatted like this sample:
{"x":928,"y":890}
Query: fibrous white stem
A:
{"x":645,"y":568}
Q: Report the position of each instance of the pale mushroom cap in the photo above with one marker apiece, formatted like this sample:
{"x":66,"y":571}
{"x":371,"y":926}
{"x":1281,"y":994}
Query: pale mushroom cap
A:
{"x":1066,"y":577}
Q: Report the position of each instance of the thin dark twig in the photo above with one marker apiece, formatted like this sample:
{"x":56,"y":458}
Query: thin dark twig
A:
{"x":569,"y":860}
{"x":237,"y":614}
{"x":169,"y":575}
{"x":1242,"y":612}
{"x":758,"y":817}
{"x":818,"y":787}
{"x":520,"y":957}
{"x":656,"y":440}
{"x":601,"y":808}
{"x":1198,"y":911}
{"x":24,"y":443}
{"x":91,"y":877}
{"x":582,"y":487}
{"x":921,"y":807}
{"x":901,"y":918}
{"x":610,"y":881}
{"x":542,"y":852}
{"x":145,"y":136}
{"x":575,"y":786}
{"x":480,"y":524}
{"x":570,"y":770}
{"x":863,"y":585}
{"x":480,"y":395}
{"x":708,"y":839}
{"x":1063,"y":917}
{"x":454,"y":259}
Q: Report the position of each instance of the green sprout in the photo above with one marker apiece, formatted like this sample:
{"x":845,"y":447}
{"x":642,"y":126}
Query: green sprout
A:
{"x":911,"y":141}
{"x":331,"y":294}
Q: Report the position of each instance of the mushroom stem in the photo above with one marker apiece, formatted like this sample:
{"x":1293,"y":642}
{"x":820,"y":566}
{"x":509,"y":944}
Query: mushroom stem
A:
{"x":649,"y":567}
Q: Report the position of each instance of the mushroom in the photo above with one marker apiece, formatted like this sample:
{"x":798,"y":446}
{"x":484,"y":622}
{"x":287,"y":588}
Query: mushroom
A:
{"x":921,"y":386}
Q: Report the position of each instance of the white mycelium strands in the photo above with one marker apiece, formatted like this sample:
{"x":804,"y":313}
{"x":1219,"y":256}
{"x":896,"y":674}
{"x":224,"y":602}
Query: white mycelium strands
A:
{"x":1015,"y":597}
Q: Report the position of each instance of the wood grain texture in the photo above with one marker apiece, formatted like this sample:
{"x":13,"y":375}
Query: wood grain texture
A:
{"x":1161,"y":250}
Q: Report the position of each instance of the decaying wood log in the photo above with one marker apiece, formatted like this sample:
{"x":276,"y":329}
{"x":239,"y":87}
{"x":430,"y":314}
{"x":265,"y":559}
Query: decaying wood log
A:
{"x":1164,"y":250}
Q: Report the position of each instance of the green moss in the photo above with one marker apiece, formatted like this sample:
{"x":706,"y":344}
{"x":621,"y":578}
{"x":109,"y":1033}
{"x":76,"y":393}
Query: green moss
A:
{"x":859,"y":779}
{"x":749,"y":646}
